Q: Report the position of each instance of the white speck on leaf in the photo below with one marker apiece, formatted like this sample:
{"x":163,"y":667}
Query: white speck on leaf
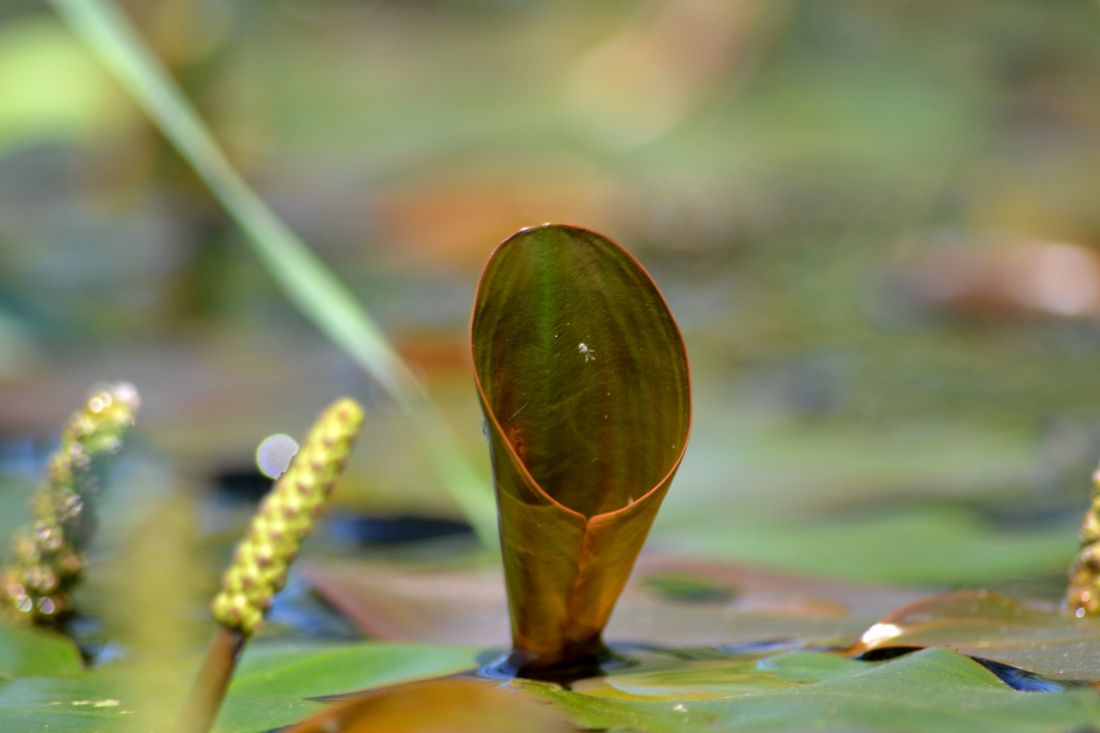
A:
{"x":586,"y":351}
{"x":880,"y":633}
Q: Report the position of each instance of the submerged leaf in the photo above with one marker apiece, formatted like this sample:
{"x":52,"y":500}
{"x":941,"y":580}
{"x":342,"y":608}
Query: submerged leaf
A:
{"x":996,"y":627}
{"x":583,"y":380}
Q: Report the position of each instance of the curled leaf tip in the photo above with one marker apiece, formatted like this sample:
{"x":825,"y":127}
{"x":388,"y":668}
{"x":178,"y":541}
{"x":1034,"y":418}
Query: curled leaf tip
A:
{"x":285,"y":517}
{"x":48,"y":555}
{"x":1083,"y":589}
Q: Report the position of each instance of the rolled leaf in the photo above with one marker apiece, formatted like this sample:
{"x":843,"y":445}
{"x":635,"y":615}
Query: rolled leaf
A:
{"x":583,"y":380}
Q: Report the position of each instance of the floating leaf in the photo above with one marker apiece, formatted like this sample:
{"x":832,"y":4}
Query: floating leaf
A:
{"x":438,"y":706}
{"x":996,"y":627}
{"x":274,"y":686}
{"x":25,"y":652}
{"x":927,"y":545}
{"x":583,"y":380}
{"x":311,"y":670}
{"x":468,"y":605}
{"x":933,"y":689}
{"x":712,"y":676}
{"x":80,"y":704}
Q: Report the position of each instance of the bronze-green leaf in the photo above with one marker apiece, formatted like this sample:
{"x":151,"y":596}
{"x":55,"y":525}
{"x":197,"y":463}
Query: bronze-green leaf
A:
{"x":996,"y":627}
{"x":443,"y":705}
{"x":583,"y":379}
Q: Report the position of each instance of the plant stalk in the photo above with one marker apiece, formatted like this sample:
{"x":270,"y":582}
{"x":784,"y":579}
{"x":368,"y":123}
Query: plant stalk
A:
{"x":205,"y":699}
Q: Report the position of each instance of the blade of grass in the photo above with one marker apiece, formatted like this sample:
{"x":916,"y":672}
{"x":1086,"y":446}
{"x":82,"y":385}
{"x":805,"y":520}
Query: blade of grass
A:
{"x":309,"y":285}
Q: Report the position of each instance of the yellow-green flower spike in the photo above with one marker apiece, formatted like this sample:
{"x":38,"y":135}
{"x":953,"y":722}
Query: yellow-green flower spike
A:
{"x":48,"y":556}
{"x":1083,"y":590}
{"x":285,"y":517}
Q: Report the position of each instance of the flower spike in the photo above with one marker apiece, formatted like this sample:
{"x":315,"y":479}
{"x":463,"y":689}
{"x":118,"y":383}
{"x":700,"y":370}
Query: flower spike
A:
{"x":286,"y":516}
{"x":48,"y":556}
{"x":1083,"y":591}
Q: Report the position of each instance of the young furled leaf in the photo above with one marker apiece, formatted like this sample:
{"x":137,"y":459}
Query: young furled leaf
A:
{"x":583,"y":379}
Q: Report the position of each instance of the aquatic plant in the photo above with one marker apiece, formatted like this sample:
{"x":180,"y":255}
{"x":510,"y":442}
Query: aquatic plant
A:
{"x":583,"y":381}
{"x":1083,"y":589}
{"x":285,"y":518}
{"x":48,"y":555}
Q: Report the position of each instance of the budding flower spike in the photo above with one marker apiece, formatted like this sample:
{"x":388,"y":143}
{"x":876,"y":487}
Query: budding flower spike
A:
{"x":1083,"y":590}
{"x":286,"y":516}
{"x":48,"y":556}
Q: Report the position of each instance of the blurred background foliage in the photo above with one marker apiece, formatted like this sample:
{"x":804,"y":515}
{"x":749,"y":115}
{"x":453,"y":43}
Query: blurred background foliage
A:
{"x":877,"y":223}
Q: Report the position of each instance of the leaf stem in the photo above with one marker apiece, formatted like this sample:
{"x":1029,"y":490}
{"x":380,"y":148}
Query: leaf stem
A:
{"x":304,"y":279}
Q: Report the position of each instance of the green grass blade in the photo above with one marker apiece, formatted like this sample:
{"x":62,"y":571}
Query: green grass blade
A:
{"x":303,"y":278}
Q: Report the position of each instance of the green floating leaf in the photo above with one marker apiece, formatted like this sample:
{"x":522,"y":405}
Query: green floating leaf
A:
{"x":273,"y":682}
{"x":80,"y":704}
{"x":583,"y":379}
{"x":311,"y":670}
{"x":994,"y":626}
{"x":26,"y":652}
{"x":273,"y":687}
{"x":689,"y":588}
{"x":714,"y":676}
{"x":929,"y":545}
{"x":931,"y":690}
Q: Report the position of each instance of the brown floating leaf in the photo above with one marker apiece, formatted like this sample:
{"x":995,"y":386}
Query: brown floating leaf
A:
{"x":438,"y":706}
{"x":993,"y":626}
{"x":466,"y":605}
{"x":583,"y":379}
